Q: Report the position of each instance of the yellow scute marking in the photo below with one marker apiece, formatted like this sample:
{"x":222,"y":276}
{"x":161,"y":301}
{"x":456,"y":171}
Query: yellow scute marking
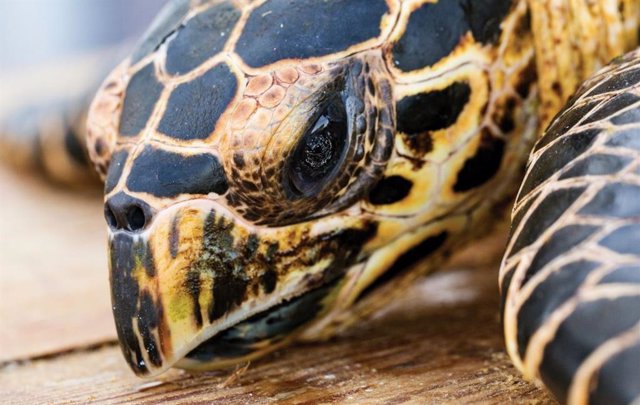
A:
{"x":172,"y":273}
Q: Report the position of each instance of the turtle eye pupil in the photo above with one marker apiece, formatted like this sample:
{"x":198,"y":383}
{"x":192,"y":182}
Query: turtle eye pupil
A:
{"x":320,"y":151}
{"x":319,"y":147}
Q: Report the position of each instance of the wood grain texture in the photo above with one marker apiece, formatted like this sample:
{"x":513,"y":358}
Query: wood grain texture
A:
{"x":441,"y":343}
{"x":54,"y":291}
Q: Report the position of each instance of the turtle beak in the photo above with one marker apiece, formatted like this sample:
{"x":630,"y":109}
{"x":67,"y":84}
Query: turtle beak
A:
{"x":182,"y":280}
{"x":145,"y":337}
{"x":195,"y":277}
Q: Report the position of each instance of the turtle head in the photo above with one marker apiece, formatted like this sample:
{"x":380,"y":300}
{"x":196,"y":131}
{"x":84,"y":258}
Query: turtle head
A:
{"x":263,"y":169}
{"x":232,"y":192}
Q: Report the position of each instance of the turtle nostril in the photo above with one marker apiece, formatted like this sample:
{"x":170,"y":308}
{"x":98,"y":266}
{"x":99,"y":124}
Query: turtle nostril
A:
{"x":136,"y":218}
{"x":110,"y":217}
{"x":126,"y":213}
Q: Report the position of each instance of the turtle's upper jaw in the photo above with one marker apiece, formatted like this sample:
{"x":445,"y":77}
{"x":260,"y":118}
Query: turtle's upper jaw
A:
{"x":196,"y":283}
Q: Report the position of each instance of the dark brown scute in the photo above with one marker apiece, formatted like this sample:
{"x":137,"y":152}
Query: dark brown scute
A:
{"x":167,"y":174}
{"x":435,"y":30}
{"x":557,"y":156}
{"x":200,"y":38}
{"x":624,"y":240}
{"x":300,"y":29}
{"x":599,"y":164}
{"x":141,"y":96}
{"x":571,"y":345}
{"x":545,"y":214}
{"x":194,"y":107}
{"x":116,"y":166}
{"x":612,"y":383}
{"x":550,"y":294}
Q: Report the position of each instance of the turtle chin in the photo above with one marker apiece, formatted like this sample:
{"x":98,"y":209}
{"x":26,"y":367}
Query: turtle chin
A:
{"x":201,"y":289}
{"x":260,"y":334}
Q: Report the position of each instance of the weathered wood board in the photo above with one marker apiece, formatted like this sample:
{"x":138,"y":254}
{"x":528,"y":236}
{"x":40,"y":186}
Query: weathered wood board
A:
{"x":53,"y":281}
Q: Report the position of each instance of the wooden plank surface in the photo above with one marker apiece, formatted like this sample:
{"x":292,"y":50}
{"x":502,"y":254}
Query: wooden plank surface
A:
{"x":54,"y":291}
{"x":441,"y":343}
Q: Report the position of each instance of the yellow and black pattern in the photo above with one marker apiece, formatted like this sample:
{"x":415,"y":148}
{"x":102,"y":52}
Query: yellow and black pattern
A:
{"x":261,"y":189}
{"x":240,"y":182}
{"x":275,"y":169}
{"x":571,"y":275}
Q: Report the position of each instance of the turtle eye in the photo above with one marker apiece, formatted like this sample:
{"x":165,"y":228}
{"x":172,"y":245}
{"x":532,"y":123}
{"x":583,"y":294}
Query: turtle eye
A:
{"x":319,"y":153}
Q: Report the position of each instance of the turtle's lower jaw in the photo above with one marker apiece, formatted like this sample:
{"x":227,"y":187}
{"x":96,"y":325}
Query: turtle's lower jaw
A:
{"x":199,"y":290}
{"x":258,"y":335}
{"x":252,"y":338}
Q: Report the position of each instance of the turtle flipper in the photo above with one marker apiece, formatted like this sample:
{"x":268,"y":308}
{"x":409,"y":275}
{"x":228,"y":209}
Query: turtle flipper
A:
{"x":43,"y":116}
{"x":50,"y":139}
{"x":570,"y":279}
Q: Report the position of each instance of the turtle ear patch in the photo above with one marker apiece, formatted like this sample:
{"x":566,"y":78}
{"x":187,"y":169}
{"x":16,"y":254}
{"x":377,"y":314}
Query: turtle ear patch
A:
{"x":482,"y":166}
{"x":433,"y":110}
{"x":390,"y":190}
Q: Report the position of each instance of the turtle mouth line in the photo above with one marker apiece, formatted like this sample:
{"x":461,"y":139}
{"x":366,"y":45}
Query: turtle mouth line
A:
{"x":260,"y":333}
